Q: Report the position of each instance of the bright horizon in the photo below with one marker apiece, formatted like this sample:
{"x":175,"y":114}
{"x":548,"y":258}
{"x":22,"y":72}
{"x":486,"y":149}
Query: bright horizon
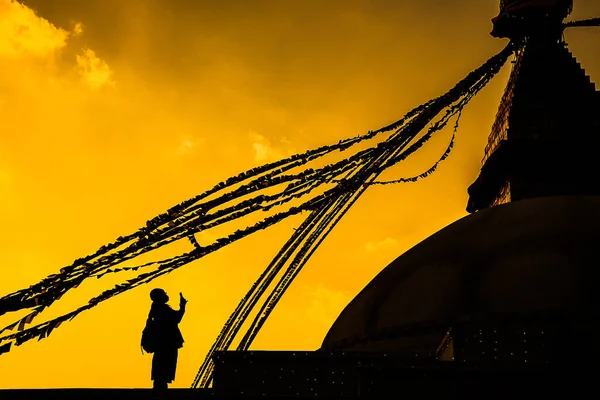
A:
{"x":113,"y":113}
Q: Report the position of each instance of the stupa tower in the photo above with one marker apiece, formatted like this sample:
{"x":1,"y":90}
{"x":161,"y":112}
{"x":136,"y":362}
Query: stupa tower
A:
{"x":547,"y":124}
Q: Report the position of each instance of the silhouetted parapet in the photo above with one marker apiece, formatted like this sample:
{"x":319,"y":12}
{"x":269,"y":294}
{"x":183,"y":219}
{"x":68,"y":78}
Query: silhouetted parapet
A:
{"x":101,"y":394}
{"x":377,"y":375}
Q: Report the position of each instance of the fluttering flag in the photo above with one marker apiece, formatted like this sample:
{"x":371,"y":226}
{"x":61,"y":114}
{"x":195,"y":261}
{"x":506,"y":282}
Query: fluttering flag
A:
{"x":195,"y":243}
{"x":5,"y":348}
{"x":10,"y":327}
{"x":26,"y":320}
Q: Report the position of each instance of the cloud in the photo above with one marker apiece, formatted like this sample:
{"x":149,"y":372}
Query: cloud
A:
{"x":31,"y":45}
{"x":264,"y":151}
{"x":187,"y":145}
{"x":24,"y":34}
{"x":78,"y":29}
{"x":384,"y":244}
{"x":94,"y":71}
{"x":325,"y":304}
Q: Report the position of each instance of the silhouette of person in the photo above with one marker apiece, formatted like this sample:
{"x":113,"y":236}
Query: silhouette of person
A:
{"x":168,"y":337}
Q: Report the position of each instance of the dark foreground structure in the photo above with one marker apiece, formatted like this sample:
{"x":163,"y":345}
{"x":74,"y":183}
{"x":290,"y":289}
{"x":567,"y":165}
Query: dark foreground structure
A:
{"x":378,"y":375}
{"x":304,"y":375}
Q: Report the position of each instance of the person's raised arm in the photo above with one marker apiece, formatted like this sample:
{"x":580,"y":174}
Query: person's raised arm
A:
{"x":179,"y":313}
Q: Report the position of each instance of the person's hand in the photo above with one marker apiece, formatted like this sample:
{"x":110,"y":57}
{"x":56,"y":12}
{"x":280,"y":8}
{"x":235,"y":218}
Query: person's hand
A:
{"x":182,"y":300}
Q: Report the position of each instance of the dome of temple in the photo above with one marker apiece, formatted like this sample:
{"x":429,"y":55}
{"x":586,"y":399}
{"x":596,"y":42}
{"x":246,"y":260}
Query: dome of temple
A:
{"x":527,"y":257}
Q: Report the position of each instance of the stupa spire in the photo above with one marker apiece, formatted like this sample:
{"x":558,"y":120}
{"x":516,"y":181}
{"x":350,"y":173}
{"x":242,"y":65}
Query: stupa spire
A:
{"x":549,"y":117}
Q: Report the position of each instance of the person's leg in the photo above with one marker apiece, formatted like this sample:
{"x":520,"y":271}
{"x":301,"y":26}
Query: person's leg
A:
{"x":158,"y":371}
{"x":159,"y":390}
{"x":172,"y":365}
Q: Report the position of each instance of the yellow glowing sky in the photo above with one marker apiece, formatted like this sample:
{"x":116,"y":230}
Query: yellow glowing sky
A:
{"x":112,"y":111}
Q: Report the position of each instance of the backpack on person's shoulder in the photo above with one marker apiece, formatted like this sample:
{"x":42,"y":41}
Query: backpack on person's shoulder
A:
{"x":149,"y":337}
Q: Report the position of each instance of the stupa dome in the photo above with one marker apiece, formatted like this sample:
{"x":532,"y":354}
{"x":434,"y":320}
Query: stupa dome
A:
{"x":532,"y":256}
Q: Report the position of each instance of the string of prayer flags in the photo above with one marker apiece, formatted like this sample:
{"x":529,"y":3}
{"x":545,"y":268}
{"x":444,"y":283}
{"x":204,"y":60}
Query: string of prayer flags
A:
{"x":424,"y":174}
{"x":342,"y":204}
{"x":349,"y":177}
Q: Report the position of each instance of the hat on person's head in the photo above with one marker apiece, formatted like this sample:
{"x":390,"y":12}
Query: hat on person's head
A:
{"x":158,"y":295}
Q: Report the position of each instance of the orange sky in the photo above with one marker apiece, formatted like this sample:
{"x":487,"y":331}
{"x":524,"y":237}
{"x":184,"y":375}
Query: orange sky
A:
{"x":113,"y":111}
